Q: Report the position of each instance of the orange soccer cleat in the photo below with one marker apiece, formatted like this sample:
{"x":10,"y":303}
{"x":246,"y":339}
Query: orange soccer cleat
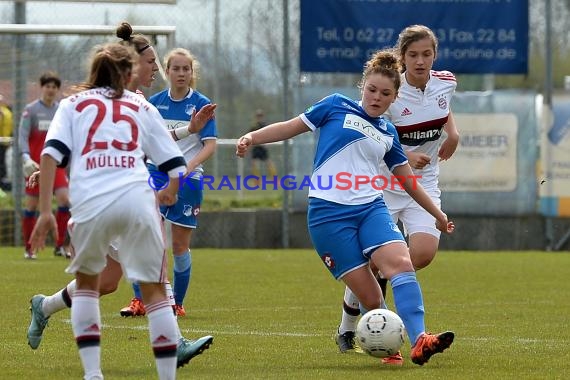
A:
{"x":396,"y":359}
{"x":135,"y":309}
{"x":428,"y":344}
{"x":179,"y":311}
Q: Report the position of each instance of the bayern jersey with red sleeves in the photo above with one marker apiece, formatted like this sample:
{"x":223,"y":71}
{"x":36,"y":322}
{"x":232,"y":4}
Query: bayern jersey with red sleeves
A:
{"x":419,"y":117}
{"x":34,"y":126}
{"x":350,"y":144}
{"x":105,"y":141}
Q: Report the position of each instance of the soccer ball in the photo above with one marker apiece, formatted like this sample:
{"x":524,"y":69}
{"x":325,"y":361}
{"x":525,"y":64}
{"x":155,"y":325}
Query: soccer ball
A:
{"x":380,"y":333}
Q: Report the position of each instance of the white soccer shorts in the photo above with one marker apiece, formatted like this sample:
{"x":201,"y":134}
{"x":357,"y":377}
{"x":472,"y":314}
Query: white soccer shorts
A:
{"x":133,"y":222}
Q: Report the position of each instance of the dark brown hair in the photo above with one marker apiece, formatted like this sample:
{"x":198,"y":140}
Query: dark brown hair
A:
{"x":138,"y":41}
{"x":50,"y":77}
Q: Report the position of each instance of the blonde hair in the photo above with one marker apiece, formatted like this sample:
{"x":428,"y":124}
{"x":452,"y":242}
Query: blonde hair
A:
{"x":194,"y":64}
{"x":385,"y":62}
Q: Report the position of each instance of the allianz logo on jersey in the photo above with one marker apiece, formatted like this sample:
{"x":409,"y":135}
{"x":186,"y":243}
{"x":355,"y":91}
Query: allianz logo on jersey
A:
{"x":429,"y":135}
{"x":363,"y":126}
{"x":173,"y":124}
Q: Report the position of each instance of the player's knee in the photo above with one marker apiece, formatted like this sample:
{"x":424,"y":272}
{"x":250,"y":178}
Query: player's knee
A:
{"x":179,"y":247}
{"x":107,"y":287}
{"x":421,"y":261}
{"x":370,"y":301}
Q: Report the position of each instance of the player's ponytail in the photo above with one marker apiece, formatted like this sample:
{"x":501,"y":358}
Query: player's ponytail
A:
{"x":110,"y":67}
{"x":124,"y":31}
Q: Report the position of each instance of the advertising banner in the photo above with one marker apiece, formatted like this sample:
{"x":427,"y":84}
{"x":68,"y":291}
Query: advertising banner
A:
{"x":555,"y":162}
{"x":340,"y":35}
{"x":486,"y":158}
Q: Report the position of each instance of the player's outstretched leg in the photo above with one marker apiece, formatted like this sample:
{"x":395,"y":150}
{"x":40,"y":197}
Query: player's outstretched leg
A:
{"x":38,"y":323}
{"x":187,"y":348}
{"x":429,"y":344}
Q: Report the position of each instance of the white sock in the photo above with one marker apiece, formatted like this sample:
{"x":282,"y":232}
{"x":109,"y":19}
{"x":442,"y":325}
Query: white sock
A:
{"x":86,"y":324}
{"x":349,"y":320}
{"x":57,"y":301}
{"x":170,"y":296}
{"x":169,"y":293}
{"x":162,"y":328}
{"x":178,"y":332}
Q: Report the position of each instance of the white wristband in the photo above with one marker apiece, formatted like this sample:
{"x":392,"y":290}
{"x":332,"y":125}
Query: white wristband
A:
{"x":180,"y":133}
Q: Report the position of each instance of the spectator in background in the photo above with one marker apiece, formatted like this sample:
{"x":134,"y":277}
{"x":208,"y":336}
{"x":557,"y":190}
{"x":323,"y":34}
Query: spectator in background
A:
{"x":259,"y":153}
{"x":34,"y":125}
{"x":6,"y":130}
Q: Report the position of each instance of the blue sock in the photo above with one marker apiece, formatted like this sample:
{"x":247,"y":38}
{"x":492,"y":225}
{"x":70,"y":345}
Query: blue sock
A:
{"x":409,"y":303}
{"x":182,"y":272}
{"x":137,"y":290}
{"x":30,"y":214}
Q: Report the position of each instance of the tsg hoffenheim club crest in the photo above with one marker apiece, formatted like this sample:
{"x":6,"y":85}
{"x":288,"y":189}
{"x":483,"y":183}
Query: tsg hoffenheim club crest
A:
{"x":189,"y":109}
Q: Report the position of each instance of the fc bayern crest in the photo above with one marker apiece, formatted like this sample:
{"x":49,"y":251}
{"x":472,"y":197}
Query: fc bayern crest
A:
{"x":442,"y":103}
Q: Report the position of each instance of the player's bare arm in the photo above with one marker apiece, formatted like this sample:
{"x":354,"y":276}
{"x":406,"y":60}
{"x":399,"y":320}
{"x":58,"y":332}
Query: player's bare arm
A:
{"x":274,"y":132}
{"x":205,"y":153}
{"x":449,"y":145}
{"x":46,"y":220}
{"x":417,"y":192}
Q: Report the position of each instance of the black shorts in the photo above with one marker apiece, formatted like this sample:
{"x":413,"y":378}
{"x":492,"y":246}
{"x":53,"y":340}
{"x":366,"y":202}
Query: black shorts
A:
{"x":259,"y":153}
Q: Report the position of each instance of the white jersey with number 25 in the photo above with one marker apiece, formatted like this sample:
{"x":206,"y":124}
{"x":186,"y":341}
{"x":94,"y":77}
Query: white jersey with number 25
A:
{"x":106,"y":140}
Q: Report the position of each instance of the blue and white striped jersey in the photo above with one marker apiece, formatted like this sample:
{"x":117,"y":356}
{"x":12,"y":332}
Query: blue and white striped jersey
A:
{"x":177,"y":114}
{"x":350,"y":148}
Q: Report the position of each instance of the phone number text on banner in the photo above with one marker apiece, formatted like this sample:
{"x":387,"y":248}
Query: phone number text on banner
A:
{"x":340,"y":35}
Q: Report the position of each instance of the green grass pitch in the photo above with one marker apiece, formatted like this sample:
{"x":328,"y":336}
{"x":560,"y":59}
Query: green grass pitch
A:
{"x":274,"y":313}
